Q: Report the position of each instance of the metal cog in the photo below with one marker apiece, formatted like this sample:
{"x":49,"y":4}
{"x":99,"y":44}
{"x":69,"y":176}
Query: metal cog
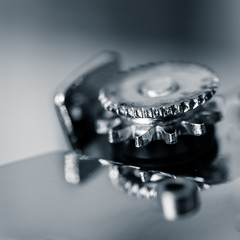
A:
{"x":143,"y":131}
{"x":159,"y":90}
{"x":131,"y":184}
{"x":131,"y":180}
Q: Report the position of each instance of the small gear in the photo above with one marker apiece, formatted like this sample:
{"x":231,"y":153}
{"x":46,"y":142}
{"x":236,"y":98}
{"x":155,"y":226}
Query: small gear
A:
{"x":125,"y":180}
{"x":131,"y":180}
{"x":143,"y":132}
{"x":159,"y":90}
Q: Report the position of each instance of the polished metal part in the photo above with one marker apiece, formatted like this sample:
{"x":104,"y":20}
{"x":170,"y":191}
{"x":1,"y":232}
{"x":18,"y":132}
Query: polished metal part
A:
{"x":129,"y":178}
{"x":144,"y":131}
{"x":79,"y":167}
{"x":71,"y":168}
{"x":35,"y":190}
{"x":178,"y":198}
{"x":81,"y":88}
{"x":37,"y":203}
{"x":159,"y":101}
{"x":77,"y":106}
{"x":133,"y":187}
{"x":159,"y":90}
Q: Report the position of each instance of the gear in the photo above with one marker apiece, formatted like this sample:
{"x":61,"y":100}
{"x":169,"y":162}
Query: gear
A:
{"x":143,"y":131}
{"x":159,"y":101}
{"x":159,"y":90}
{"x":131,"y":180}
{"x":131,"y":184}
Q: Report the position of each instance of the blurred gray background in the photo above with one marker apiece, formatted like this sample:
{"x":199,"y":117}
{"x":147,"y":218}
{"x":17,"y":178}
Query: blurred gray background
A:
{"x":43,"y":41}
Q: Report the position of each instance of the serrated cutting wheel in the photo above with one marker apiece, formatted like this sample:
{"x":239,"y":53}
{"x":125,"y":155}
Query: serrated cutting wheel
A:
{"x":159,"y":102}
{"x":159,"y":90}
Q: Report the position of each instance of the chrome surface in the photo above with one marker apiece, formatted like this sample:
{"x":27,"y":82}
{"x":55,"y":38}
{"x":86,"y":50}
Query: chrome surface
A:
{"x":81,"y":88}
{"x":38,"y":203}
{"x":144,"y":131}
{"x":158,"y":90}
{"x":35,"y":190}
{"x":178,"y":198}
{"x":158,"y":101}
{"x":74,"y":194}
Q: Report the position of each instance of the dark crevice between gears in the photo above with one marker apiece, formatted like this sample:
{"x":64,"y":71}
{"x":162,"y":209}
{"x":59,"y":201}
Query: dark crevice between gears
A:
{"x":189,"y":152}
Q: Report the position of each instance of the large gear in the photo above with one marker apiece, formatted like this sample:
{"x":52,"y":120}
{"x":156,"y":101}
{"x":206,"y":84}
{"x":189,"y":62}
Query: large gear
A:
{"x":159,"y":90}
{"x":159,"y":101}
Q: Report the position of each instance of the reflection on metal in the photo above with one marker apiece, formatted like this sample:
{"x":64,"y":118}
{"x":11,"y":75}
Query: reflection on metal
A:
{"x":159,"y":101}
{"x":177,"y":194}
{"x":178,"y":198}
{"x":79,"y":89}
{"x":144,"y":131}
{"x":78,"y":167}
{"x":170,"y":174}
{"x":125,"y":180}
{"x":71,"y":168}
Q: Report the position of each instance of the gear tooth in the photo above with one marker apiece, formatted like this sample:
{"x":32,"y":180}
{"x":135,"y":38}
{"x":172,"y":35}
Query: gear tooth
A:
{"x":139,"y":113}
{"x":144,"y":175}
{"x":135,"y":115}
{"x":143,"y":192}
{"x":196,"y":129}
{"x":135,"y":189}
{"x":149,"y":113}
{"x":109,"y":107}
{"x":114,"y":108}
{"x":170,"y":137}
{"x":163,"y":112}
{"x":185,"y":106}
{"x":153,"y":112}
{"x":131,"y":186}
{"x":143,"y":112}
{"x":157,"y":113}
{"x":167,"y":137}
{"x":117,"y":111}
{"x":209,"y":94}
{"x":202,"y":99}
{"x":119,"y":135}
{"x":194,"y":103}
{"x":144,"y":139}
{"x":130,"y":112}
{"x":122,"y":111}
{"x":169,"y":111}
{"x":175,"y":109}
{"x":127,"y":186}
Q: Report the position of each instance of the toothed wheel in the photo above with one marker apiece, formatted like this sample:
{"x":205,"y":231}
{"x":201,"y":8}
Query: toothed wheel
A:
{"x":144,"y":184}
{"x":159,"y":90}
{"x":120,"y":130}
{"x":159,"y":102}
